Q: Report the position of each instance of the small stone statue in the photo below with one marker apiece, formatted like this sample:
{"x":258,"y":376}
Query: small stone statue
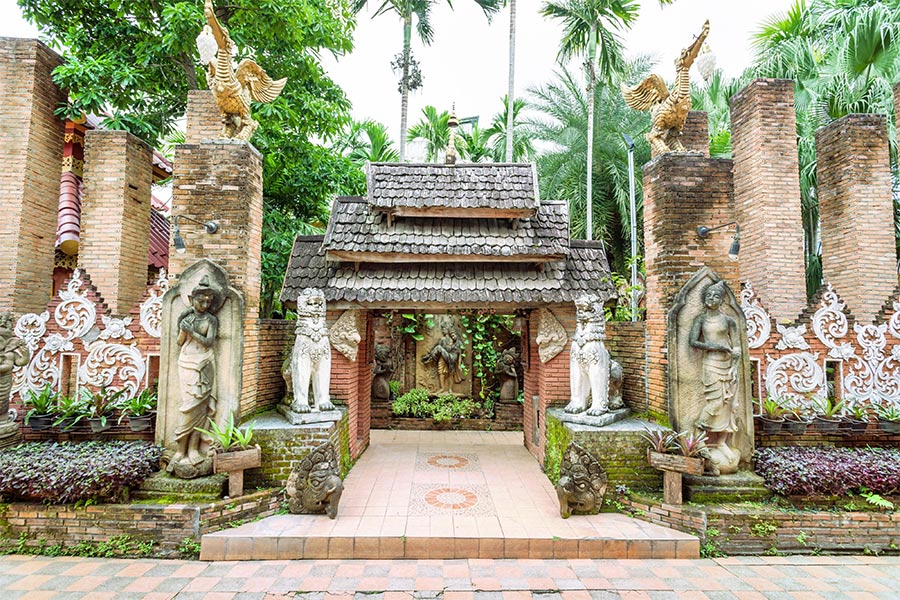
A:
{"x":311,"y":357}
{"x":198,"y":328}
{"x":715,"y":335}
{"x":508,"y":375}
{"x":13,"y":353}
{"x":381,"y":380}
{"x":668,"y":110}
{"x":447,"y":353}
{"x":589,"y":359}
{"x":315,"y":485}
{"x":582,"y":482}
{"x":233,"y":88}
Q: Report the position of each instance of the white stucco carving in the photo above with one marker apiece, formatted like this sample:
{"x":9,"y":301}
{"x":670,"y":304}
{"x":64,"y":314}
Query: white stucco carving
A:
{"x":759,"y":325}
{"x":551,"y":335}
{"x":791,"y":337}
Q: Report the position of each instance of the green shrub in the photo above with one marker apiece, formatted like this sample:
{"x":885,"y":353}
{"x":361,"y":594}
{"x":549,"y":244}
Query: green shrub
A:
{"x":417,"y":403}
{"x":412,"y":404}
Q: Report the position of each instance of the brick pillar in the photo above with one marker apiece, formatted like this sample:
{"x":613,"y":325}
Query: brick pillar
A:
{"x":31,"y":145}
{"x":695,"y":135}
{"x":681,"y":192}
{"x":204,"y":122}
{"x":351,"y":382}
{"x":767,"y":195}
{"x":222,"y":182}
{"x":856,"y":212}
{"x":115,"y":216}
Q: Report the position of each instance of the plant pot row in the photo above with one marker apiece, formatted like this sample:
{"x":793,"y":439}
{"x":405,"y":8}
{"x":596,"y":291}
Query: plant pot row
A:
{"x":97,"y":425}
{"x":822,"y":425}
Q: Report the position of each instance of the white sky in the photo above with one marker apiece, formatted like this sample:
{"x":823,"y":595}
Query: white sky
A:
{"x":467,"y":62}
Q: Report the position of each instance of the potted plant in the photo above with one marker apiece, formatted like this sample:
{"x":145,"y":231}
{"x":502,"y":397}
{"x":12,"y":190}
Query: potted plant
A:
{"x":888,"y":418}
{"x":140,"y":410}
{"x":41,"y":407}
{"x":69,"y":411}
{"x":99,"y":407}
{"x":856,"y":420}
{"x":677,"y":452}
{"x":772,"y":417}
{"x":233,"y":452}
{"x":796,"y":420}
{"x":828,"y":414}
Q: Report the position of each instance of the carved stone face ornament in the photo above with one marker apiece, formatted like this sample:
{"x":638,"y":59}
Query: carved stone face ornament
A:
{"x":582,"y":482}
{"x":315,"y":485}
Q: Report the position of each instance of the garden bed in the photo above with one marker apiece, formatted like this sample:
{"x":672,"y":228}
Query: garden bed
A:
{"x":507,"y":417}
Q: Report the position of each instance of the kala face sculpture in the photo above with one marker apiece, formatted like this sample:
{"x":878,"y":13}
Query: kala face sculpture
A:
{"x":709,"y":371}
{"x":233,"y":88}
{"x":582,"y":482}
{"x":315,"y":485}
{"x":589,"y":359}
{"x":198,"y":328}
{"x":668,"y":110}
{"x":311,"y":357}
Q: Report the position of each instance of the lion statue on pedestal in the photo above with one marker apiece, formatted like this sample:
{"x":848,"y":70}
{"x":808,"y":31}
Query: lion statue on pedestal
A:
{"x":589,"y":360}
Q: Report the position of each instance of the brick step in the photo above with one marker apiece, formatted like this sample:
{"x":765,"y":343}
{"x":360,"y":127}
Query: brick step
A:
{"x":235,"y":545}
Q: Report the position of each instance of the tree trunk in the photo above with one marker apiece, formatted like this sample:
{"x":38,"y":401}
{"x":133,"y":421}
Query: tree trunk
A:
{"x":592,"y":51}
{"x":511,"y":94}
{"x":404,"y":84}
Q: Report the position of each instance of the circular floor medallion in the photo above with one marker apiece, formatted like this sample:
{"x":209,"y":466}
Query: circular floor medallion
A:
{"x":451,"y":498}
{"x":447,"y":461}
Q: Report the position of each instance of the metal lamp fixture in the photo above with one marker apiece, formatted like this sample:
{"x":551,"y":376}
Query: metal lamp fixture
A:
{"x":703,"y":232}
{"x":178,"y":241}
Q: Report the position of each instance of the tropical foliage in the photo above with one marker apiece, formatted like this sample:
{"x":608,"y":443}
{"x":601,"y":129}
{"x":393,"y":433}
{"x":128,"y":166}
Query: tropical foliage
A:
{"x":561,"y":108}
{"x":522,"y":145}
{"x":433,"y":128}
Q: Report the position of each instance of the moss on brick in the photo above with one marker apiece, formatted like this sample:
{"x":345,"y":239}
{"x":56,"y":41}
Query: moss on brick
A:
{"x":558,"y":437}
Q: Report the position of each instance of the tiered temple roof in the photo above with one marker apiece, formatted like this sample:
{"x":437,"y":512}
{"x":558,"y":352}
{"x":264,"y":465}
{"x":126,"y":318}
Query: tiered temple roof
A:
{"x":468,"y":236}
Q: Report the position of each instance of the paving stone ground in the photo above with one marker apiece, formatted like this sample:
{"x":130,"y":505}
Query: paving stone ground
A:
{"x":741,"y":578}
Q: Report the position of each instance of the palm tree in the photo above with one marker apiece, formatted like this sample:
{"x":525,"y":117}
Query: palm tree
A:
{"x":843,"y":56}
{"x":589,"y":27}
{"x":511,"y":91}
{"x":367,"y":141}
{"x":410,"y":77}
{"x":473,"y":145}
{"x":499,"y":134}
{"x":432,"y":128}
{"x":560,"y":124}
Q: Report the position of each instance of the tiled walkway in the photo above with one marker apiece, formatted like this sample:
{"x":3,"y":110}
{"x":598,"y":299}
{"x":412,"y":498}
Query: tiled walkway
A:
{"x":749,"y":578}
{"x":448,"y":495}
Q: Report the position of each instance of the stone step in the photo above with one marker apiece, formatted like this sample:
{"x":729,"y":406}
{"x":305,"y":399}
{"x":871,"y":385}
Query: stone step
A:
{"x":288,"y":537}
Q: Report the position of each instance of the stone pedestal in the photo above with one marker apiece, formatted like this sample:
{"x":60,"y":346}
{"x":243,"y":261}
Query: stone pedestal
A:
{"x":743,"y":486}
{"x":318,"y":416}
{"x":161,"y":485}
{"x":585,"y":419}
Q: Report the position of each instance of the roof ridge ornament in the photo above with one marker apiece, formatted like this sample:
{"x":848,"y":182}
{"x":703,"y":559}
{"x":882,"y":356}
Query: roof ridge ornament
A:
{"x":452,"y":123}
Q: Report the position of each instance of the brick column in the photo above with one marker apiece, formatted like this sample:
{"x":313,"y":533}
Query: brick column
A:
{"x":767,"y":195}
{"x":856,"y":212}
{"x":115,"y":216}
{"x":204,"y":122}
{"x":351,"y":382}
{"x":31,"y":145}
{"x":681,"y":192}
{"x":695,"y":135}
{"x":222,"y":181}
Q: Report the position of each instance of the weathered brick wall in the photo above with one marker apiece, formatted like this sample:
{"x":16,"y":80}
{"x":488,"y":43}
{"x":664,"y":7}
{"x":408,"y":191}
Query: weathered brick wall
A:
{"x":351,"y":382}
{"x":204,"y":122}
{"x":695,"y":135}
{"x":767,"y":194}
{"x":856,"y":212}
{"x":747,"y":530}
{"x":627,"y":343}
{"x":115,"y":224}
{"x":31,"y":144}
{"x":284,"y":446}
{"x":166,"y":525}
{"x":681,"y":192}
{"x":276,"y":338}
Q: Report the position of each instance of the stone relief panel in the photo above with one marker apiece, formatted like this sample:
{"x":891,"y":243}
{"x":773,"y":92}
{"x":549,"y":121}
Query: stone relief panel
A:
{"x":443,"y":359}
{"x":113,"y":351}
{"x":866,"y":356}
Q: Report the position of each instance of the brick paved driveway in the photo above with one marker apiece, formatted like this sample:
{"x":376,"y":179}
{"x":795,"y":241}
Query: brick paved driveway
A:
{"x":744,"y":578}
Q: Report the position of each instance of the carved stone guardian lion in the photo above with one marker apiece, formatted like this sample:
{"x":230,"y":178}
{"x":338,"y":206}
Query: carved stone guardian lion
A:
{"x":589,"y":361}
{"x":311,"y":357}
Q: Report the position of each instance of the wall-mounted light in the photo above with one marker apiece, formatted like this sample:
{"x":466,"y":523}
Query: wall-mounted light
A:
{"x":178,"y":241}
{"x":703,"y":232}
